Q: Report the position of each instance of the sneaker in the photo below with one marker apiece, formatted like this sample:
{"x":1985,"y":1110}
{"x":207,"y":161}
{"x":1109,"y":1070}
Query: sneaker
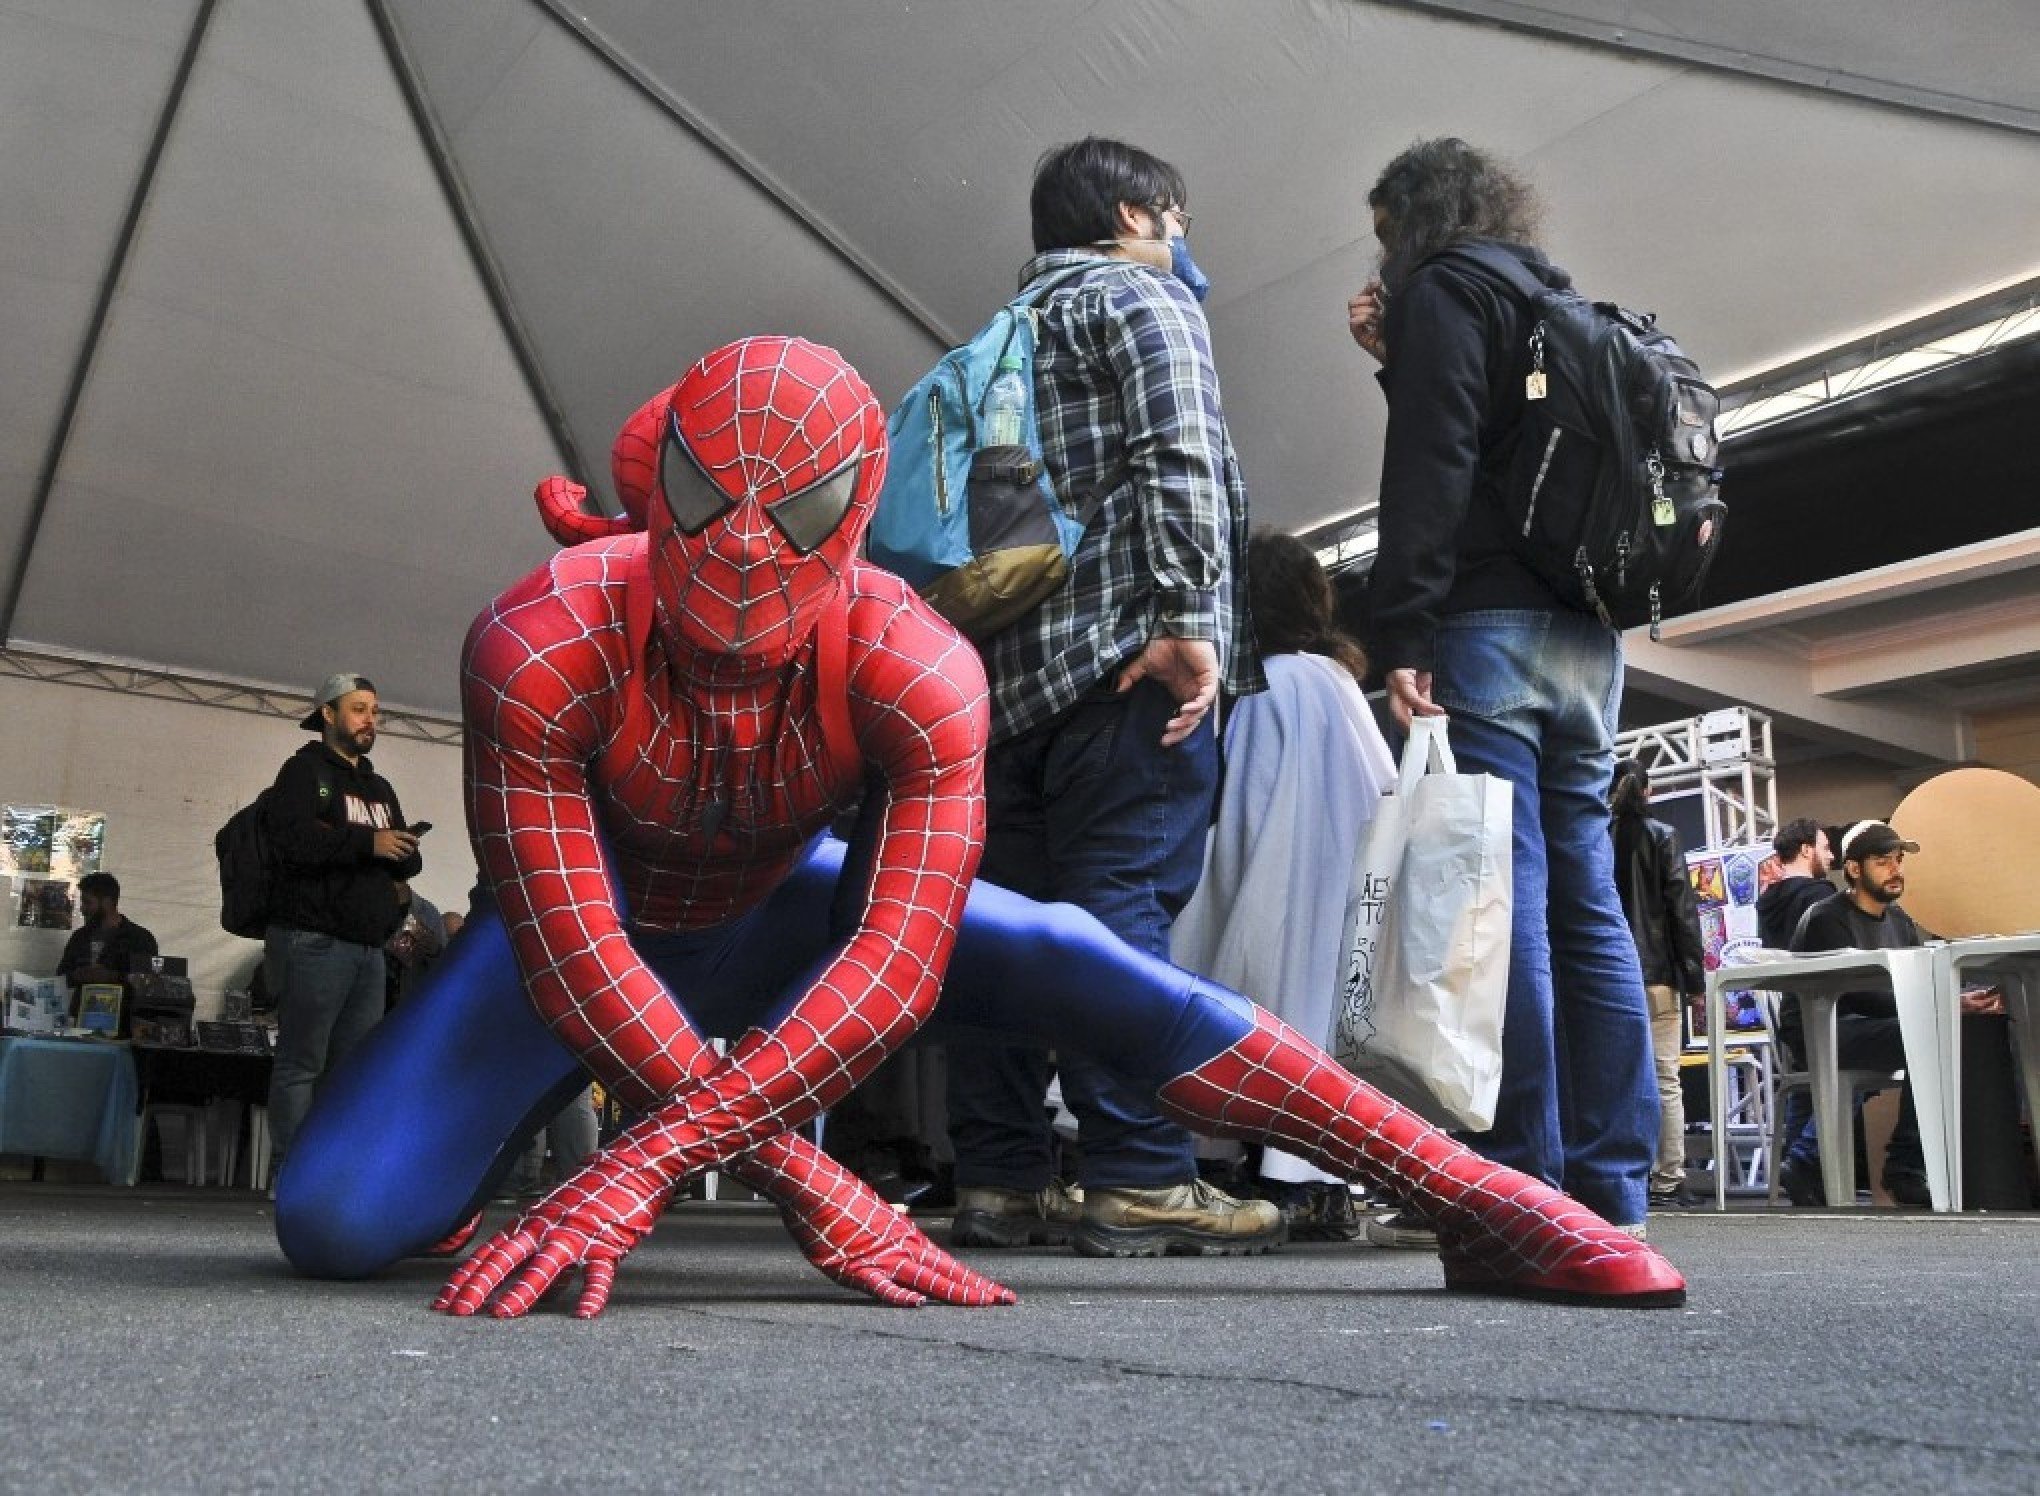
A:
{"x":1403,"y":1228}
{"x":1908,"y":1187}
{"x":1638,"y":1229}
{"x":1800,"y":1180}
{"x":1678,"y":1197}
{"x":1195,"y":1219}
{"x":987,"y":1216}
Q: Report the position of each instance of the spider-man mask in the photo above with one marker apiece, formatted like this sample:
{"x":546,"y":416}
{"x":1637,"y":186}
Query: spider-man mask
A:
{"x":769,"y":465}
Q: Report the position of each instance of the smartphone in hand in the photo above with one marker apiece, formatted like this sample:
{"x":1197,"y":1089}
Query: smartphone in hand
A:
{"x":420,"y":828}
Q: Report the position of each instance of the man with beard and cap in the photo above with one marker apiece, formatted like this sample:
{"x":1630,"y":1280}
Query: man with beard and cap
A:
{"x":1866,"y":916}
{"x":341,"y":845}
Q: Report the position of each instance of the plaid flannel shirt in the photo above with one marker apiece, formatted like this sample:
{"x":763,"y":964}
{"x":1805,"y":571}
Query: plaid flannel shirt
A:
{"x":1127,"y":400}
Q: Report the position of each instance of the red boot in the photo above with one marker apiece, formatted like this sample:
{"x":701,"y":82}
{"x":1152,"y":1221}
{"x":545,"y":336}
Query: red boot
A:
{"x":1499,"y":1231}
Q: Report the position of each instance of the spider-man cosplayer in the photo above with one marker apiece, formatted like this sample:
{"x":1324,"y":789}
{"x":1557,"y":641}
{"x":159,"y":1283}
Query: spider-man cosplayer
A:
{"x":659,"y":727}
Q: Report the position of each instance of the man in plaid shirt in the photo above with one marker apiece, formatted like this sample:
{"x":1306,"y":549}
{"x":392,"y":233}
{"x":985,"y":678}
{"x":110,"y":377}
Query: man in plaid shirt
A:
{"x":1104,"y":758}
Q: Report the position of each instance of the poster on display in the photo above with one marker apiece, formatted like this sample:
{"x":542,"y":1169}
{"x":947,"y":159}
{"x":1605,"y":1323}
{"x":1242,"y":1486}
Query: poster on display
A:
{"x":44,"y":851}
{"x":42,"y":904}
{"x":1727,"y":882}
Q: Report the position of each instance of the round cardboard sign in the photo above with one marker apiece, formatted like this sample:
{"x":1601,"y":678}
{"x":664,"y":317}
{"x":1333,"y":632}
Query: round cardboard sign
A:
{"x":1979,"y":836}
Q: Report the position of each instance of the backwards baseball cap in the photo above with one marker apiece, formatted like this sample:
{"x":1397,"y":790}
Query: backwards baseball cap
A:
{"x":1872,"y":839}
{"x":336,"y":686}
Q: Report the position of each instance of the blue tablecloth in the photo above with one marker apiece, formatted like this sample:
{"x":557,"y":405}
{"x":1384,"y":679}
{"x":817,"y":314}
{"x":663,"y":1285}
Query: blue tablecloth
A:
{"x":69,"y":1098}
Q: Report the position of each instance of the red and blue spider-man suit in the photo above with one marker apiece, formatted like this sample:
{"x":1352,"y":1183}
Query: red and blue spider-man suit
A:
{"x":650,"y":769}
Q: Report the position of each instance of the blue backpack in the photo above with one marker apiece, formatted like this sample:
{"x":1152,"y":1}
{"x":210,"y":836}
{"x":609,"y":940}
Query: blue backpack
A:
{"x":976,"y":528}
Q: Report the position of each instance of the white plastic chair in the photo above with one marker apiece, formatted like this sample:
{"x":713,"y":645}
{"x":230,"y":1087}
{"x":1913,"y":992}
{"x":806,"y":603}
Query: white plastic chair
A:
{"x":195,"y":1135}
{"x":1854,"y":1084}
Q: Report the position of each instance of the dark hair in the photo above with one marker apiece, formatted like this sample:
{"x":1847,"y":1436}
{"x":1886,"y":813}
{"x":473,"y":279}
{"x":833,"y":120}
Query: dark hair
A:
{"x":1291,"y":600}
{"x":1439,"y":192}
{"x":1795,"y":837}
{"x":1628,"y":788}
{"x":1078,"y":189}
{"x":100,"y":885}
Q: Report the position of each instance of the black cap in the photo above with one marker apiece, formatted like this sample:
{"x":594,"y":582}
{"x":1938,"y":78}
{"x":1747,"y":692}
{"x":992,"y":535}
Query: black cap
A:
{"x":1871,"y":839}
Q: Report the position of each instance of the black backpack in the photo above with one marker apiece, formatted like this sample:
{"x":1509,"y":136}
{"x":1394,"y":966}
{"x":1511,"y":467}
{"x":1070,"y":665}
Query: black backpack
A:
{"x":1611,"y":493}
{"x":247,"y":868}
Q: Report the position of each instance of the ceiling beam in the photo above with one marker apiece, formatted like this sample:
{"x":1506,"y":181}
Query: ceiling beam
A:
{"x":495,"y":284}
{"x":1780,"y":683}
{"x":2002,"y":555}
{"x":1917,"y":650}
{"x":1628,"y":37}
{"x":102,"y":305}
{"x":940,"y":335}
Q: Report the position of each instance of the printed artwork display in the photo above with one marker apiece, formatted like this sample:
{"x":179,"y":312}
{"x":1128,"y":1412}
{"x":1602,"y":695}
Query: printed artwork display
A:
{"x":1710,"y":882}
{"x":1727,"y":882}
{"x":1741,"y":868}
{"x":43,"y":904}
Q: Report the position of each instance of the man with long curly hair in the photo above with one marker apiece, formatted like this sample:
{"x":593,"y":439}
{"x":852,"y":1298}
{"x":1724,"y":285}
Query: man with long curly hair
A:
{"x":1462,"y":626}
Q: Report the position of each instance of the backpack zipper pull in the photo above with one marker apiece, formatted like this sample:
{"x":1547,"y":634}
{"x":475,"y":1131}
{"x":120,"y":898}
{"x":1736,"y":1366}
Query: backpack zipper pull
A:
{"x":1662,"y":514}
{"x":1534,"y":386}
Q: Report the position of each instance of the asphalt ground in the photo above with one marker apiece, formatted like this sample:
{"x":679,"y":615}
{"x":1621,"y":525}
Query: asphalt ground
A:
{"x":154,"y":1340}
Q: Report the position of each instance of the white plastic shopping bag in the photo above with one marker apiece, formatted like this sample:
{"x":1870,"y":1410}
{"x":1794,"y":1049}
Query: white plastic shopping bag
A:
{"x":1426,"y":968}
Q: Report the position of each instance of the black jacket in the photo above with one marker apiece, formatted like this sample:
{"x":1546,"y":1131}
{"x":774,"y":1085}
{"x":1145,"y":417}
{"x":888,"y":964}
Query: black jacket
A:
{"x":1458,"y":353}
{"x":126,"y":949}
{"x":1657,"y":896}
{"x":322,"y":820}
{"x":1780,"y":907}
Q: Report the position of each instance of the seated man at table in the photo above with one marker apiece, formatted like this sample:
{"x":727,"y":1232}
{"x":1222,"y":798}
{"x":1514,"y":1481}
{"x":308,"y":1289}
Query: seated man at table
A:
{"x":1867,"y":917}
{"x":108,"y":945}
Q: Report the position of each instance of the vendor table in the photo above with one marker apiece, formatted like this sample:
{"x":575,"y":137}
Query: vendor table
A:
{"x":69,"y":1098}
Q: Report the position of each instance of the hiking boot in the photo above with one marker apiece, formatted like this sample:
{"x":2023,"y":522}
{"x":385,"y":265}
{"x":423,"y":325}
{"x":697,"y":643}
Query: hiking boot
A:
{"x":1405,"y":1229}
{"x":987,"y":1216}
{"x":1189,"y":1220}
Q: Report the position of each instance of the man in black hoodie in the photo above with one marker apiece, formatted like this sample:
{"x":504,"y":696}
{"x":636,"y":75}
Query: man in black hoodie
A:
{"x":342,"y":844}
{"x":1803,"y":863}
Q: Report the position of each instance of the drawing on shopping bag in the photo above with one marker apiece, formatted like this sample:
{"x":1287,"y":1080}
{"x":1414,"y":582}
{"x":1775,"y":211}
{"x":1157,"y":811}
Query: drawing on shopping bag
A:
{"x":1369,"y":911}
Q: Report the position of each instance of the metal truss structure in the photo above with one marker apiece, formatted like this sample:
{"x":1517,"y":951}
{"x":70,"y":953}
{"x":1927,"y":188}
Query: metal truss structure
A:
{"x":136,"y":680}
{"x":1725,"y":758}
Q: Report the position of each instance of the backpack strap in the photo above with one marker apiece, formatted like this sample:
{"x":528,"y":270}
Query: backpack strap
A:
{"x":1083,"y":507}
{"x":1041,"y":288}
{"x":1498,"y":264}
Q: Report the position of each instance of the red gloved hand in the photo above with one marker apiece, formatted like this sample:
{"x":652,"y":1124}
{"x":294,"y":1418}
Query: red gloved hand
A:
{"x":859,"y":1241}
{"x":589,"y":1222}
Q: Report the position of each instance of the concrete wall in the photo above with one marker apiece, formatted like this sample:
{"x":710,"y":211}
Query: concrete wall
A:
{"x":2009,"y":739}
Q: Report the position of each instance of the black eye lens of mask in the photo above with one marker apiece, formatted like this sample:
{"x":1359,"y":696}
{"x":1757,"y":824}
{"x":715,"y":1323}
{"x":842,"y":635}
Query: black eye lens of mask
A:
{"x":810,"y":517}
{"x":691,"y":496}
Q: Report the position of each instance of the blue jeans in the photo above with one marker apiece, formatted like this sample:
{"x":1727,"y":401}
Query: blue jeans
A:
{"x":1533,"y":698}
{"x":330,"y":993}
{"x":1088,"y":810}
